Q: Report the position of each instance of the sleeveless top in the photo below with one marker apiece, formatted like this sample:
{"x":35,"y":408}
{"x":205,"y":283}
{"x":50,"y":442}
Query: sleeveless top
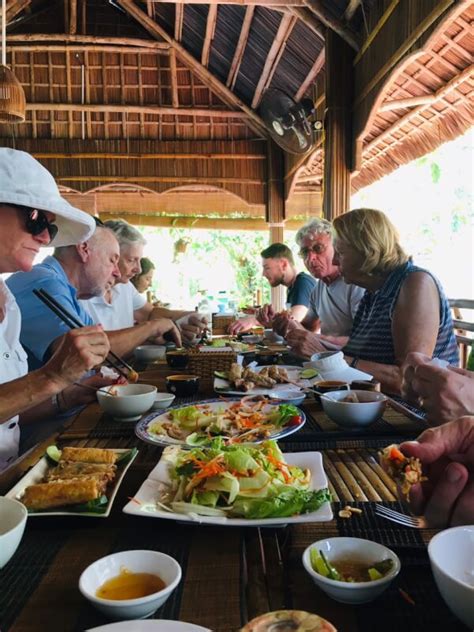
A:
{"x":371,"y":336}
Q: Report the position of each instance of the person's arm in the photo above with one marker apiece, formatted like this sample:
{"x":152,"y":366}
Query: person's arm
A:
{"x":415,"y":326}
{"x":447,"y":457}
{"x":124,"y":341}
{"x":243,"y":324}
{"x":78,"y":351}
{"x":298,"y":312}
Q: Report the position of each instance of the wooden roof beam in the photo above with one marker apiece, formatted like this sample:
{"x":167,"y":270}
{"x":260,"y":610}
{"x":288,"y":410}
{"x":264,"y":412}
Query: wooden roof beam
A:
{"x":240,"y":48}
{"x":178,"y":21}
{"x":321,"y":12}
{"x":15,"y":8}
{"x":178,"y":178}
{"x":210,"y":30}
{"x":135,"y":109}
{"x":311,"y":76}
{"x":212,"y":82}
{"x":351,"y":8}
{"x":310,"y":21}
{"x":72,"y":28}
{"x":276,"y":50}
{"x":248,"y":3}
{"x":88,"y":39}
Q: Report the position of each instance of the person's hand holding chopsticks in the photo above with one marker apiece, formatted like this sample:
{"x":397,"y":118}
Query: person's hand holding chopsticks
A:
{"x":164,"y":330}
{"x":80,"y":350}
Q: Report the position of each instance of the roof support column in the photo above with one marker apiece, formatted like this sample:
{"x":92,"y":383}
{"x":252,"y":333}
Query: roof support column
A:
{"x":338,"y":126}
{"x":275,"y":213}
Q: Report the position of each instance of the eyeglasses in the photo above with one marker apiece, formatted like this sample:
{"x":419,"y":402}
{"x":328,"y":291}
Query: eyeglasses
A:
{"x":36,"y":222}
{"x":316,"y":249}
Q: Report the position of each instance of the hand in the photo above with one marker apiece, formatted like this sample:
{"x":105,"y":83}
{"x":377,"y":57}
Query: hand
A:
{"x":447,"y":457}
{"x":163,"y":330}
{"x":242,"y":325}
{"x":303,"y":342}
{"x":192,"y":325}
{"x":265,"y":315}
{"x":74,"y":395}
{"x":281,"y":323}
{"x":445,"y":393}
{"x":80,"y":350}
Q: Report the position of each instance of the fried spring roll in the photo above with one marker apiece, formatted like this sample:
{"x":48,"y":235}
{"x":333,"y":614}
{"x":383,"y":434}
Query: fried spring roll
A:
{"x":70,"y":469}
{"x":59,"y":493}
{"x":89,"y":455}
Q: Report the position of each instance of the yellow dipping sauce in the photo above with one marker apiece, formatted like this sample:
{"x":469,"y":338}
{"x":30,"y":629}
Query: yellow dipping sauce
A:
{"x":129,"y":585}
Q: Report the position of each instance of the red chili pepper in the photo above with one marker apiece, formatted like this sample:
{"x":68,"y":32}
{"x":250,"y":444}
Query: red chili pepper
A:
{"x":294,"y":421}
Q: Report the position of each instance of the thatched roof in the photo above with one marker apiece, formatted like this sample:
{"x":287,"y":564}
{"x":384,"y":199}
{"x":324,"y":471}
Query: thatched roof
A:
{"x":129,"y":98}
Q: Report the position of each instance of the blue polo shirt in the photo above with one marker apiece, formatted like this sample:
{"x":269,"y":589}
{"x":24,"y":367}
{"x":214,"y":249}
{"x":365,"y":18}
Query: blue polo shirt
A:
{"x":39,"y":325}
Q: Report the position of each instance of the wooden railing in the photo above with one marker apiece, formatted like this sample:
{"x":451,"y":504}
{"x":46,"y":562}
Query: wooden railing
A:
{"x":462,"y":327}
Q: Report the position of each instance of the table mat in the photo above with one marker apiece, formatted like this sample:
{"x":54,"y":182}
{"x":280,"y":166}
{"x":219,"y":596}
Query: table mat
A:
{"x":26,"y":569}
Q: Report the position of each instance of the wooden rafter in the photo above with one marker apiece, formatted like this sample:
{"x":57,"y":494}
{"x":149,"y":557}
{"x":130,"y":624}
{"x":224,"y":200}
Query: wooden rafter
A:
{"x":351,"y":9}
{"x":274,"y":54}
{"x":15,"y":8}
{"x":135,"y":109}
{"x":212,"y":82}
{"x":260,"y":3}
{"x":321,"y":12}
{"x":174,"y":79}
{"x":311,"y":76}
{"x":88,"y":39}
{"x":72,"y":30}
{"x":309,"y":20}
{"x":240,"y":48}
{"x":178,"y":21}
{"x":143,"y":156}
{"x":148,"y":179}
{"x":210,"y":30}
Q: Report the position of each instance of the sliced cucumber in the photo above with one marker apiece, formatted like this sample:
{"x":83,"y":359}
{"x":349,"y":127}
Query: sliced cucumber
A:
{"x":307,"y":374}
{"x":53,"y":453}
{"x":222,"y":374}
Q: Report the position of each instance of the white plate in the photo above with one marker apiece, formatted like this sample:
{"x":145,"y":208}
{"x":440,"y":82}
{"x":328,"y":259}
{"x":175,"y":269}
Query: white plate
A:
{"x":142,"y":432}
{"x":223,"y":386}
{"x":154,"y":625}
{"x":37,"y":474}
{"x":150,"y":492}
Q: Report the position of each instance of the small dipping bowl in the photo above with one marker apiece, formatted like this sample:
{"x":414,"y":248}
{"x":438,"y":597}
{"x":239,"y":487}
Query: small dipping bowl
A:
{"x":265,"y":357}
{"x":369,"y":407}
{"x":177,"y":359}
{"x":356,"y":549}
{"x":182,"y":385}
{"x":154,"y":562}
{"x":128,"y":402}
{"x":163,"y":400}
{"x":13,"y":515}
{"x":290,"y":397}
{"x":150,"y":353}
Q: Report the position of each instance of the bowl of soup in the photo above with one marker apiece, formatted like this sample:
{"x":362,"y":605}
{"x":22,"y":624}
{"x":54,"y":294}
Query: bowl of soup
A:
{"x":351,"y":570}
{"x":127,"y":402}
{"x":354,"y":408}
{"x":130,"y":584}
{"x":182,"y":385}
{"x":13,"y":515}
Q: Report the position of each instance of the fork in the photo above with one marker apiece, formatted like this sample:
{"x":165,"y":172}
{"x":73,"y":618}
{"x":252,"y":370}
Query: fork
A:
{"x":415,"y":522}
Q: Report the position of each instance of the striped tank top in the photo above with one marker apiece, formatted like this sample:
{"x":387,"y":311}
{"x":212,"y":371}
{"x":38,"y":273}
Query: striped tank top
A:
{"x":371,"y":336}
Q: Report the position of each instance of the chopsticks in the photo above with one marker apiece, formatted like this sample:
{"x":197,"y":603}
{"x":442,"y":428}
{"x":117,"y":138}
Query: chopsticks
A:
{"x":74,"y":323}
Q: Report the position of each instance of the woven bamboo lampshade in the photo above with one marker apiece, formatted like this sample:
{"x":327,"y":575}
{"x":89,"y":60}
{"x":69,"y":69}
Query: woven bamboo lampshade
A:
{"x":12,"y":95}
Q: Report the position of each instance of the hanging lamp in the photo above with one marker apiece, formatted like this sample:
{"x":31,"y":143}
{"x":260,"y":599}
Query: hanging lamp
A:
{"x":12,"y":95}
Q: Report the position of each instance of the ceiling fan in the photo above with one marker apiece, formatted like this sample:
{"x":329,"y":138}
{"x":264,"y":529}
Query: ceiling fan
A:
{"x":290,"y":124}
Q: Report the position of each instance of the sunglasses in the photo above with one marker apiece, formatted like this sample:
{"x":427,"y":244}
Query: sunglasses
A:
{"x":36,"y":222}
{"x":316,"y":249}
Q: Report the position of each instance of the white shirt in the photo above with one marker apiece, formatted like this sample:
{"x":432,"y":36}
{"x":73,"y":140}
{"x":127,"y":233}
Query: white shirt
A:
{"x":118,"y":314}
{"x":335,"y":305}
{"x":13,"y":364}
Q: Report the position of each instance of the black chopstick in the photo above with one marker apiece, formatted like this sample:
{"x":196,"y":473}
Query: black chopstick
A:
{"x":73,"y":323}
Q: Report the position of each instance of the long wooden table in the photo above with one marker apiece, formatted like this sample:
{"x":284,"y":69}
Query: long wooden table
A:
{"x":230,"y":575}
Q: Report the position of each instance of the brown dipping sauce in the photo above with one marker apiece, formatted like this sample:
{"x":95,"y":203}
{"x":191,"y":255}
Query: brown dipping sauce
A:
{"x":129,"y":585}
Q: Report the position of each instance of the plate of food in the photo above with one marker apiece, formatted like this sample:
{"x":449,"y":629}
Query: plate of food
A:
{"x":264,"y":380}
{"x":227,"y":344}
{"x":235,"y":486}
{"x":245,"y":420}
{"x":73,"y":482}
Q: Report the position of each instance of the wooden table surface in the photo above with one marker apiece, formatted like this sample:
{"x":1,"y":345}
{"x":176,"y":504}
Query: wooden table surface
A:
{"x":230,"y":575}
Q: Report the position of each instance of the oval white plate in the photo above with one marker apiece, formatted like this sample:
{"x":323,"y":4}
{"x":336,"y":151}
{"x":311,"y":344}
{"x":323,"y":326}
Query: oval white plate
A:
{"x":153,"y":625}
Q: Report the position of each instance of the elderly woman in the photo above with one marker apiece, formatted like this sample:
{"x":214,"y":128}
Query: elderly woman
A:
{"x":403,"y":309}
{"x":143,"y":279}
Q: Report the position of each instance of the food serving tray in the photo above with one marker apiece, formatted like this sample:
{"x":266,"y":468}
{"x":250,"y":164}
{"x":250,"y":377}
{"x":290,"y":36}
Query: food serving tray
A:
{"x":38,"y":472}
{"x":145,"y":500}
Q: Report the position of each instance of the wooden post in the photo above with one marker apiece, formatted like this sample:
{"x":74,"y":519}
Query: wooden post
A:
{"x":338,"y":126}
{"x":275,"y":208}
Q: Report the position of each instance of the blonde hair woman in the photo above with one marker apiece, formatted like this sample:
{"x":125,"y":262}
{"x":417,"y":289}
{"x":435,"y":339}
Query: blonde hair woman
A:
{"x":403,"y":309}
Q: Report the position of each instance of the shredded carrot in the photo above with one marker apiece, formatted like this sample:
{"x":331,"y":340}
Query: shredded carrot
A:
{"x":407,"y":597}
{"x":280,"y":466}
{"x":396,"y":455}
{"x":134,"y":500}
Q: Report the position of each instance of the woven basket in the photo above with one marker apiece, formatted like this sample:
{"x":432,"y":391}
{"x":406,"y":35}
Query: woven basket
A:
{"x":220,"y":324}
{"x":205,"y":363}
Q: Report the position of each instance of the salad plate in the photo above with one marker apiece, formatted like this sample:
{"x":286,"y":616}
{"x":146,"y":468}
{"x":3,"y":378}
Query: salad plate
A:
{"x":225,"y":387}
{"x":149,"y":501}
{"x":38,"y":472}
{"x":149,"y":625}
{"x":192,"y":425}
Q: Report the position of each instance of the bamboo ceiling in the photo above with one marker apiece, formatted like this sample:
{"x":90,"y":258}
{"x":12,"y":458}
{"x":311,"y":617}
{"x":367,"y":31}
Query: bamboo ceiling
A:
{"x":151,"y":108}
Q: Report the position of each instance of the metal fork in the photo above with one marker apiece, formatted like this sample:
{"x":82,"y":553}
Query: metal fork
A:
{"x":416,"y":522}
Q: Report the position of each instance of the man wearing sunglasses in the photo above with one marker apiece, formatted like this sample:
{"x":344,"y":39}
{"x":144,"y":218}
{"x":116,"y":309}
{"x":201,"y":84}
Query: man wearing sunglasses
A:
{"x":333,"y":303}
{"x":32,"y":215}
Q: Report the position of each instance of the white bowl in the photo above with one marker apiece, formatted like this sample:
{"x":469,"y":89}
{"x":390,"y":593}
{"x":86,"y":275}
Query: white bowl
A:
{"x":351,"y":414}
{"x":290,"y":397}
{"x":163,"y":400}
{"x":251,"y":338}
{"x":12,"y":525}
{"x":129,"y":402}
{"x":451,"y":555}
{"x":356,"y":549}
{"x":150,"y":353}
{"x":104,"y":569}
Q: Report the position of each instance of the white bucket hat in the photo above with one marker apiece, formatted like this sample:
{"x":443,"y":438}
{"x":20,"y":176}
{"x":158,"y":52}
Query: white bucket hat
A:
{"x":24,"y":181}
